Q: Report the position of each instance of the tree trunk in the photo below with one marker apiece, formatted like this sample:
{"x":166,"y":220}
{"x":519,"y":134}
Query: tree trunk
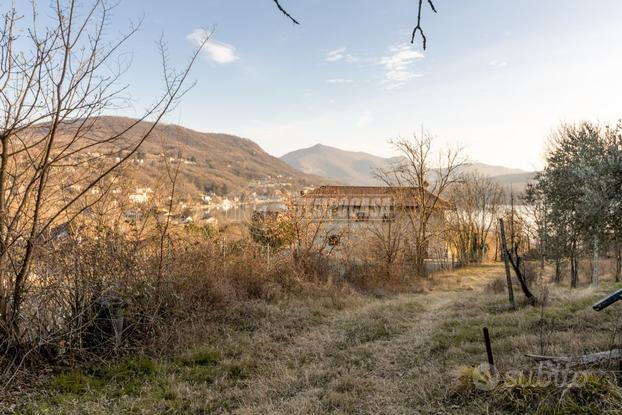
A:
{"x":573,"y":269}
{"x":420,"y":261}
{"x":595,"y":263}
{"x":558,"y":271}
{"x":542,"y":252}
{"x":618,"y":262}
{"x":516,"y":265}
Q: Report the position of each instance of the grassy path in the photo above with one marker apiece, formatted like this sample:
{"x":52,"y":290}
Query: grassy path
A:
{"x":374,"y":358}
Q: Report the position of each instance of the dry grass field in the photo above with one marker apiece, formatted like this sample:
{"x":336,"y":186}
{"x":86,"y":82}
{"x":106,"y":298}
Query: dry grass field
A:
{"x":351,"y":354}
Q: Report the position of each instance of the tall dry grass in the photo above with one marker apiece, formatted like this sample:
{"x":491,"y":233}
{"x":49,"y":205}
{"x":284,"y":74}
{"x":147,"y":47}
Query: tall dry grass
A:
{"x":102,"y":293}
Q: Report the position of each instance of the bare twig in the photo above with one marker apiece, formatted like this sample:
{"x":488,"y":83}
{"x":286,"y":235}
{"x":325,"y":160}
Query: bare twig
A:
{"x":289,"y":16}
{"x":172,"y":177}
{"x":415,"y":30}
{"x":418,"y":26}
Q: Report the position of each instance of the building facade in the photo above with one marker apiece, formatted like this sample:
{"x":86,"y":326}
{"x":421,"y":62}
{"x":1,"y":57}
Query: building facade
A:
{"x":376,"y":221}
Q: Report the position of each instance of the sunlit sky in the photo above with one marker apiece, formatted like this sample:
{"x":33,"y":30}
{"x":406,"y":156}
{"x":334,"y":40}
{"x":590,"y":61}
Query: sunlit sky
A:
{"x":496,"y":78}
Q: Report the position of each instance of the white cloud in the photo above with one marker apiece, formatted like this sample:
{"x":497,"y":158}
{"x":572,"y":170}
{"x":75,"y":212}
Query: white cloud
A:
{"x":340,"y":54}
{"x":339,"y":81}
{"x":498,"y":63}
{"x":398,"y":65}
{"x":213,"y":50}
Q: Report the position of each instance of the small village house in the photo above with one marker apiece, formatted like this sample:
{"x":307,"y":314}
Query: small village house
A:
{"x":351,"y":215}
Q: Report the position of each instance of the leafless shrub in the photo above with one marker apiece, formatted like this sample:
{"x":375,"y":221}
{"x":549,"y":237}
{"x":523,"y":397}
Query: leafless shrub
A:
{"x":100,"y":293}
{"x":58,"y":75}
{"x":477,"y":205}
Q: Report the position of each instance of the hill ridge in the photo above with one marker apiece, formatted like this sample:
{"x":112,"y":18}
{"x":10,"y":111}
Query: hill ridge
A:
{"x":358,"y":167}
{"x":213,"y":162}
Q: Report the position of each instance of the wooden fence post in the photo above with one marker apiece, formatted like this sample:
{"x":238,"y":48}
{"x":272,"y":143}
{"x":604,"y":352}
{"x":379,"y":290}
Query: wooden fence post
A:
{"x":488,"y":345}
{"x":508,"y":275}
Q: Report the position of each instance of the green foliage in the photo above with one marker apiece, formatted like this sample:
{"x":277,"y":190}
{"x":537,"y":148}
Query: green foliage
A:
{"x":204,"y":358}
{"x":76,"y":382}
{"x":578,"y":193}
{"x":125,"y":378}
{"x":131,"y":369}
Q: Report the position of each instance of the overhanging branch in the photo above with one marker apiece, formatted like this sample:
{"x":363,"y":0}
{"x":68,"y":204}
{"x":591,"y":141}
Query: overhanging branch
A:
{"x":282,"y":10}
{"x":418,"y":27}
{"x":415,"y":30}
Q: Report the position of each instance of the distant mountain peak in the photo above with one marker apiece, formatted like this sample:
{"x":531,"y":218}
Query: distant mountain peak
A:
{"x":359,"y":168}
{"x":346,"y":167}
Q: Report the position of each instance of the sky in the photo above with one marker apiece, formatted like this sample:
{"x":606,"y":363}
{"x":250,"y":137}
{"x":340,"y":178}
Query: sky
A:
{"x":497,"y":76}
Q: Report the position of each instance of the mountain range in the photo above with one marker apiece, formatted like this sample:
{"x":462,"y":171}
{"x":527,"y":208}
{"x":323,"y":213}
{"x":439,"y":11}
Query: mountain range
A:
{"x":359,"y":168}
{"x":210,"y":162}
{"x":230,"y":165}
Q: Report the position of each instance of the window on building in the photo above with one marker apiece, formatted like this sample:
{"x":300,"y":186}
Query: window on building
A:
{"x":362,"y":216}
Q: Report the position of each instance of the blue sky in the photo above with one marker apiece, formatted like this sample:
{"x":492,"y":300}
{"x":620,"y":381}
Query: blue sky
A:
{"x":496,"y":78}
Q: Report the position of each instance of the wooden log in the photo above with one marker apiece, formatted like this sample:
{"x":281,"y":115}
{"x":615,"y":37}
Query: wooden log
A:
{"x":539,"y":357}
{"x":600,"y":357}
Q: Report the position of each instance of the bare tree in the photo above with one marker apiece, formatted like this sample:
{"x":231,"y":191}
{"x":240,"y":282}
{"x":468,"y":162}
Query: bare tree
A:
{"x":387,"y":239}
{"x":518,"y":239}
{"x":172,"y":173}
{"x":422,"y":175}
{"x":310,"y":220}
{"x":477,"y":202}
{"x":58,"y":75}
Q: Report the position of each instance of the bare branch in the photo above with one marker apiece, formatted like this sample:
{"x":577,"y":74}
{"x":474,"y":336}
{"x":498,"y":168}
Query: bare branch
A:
{"x":289,"y":16}
{"x":418,"y":26}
